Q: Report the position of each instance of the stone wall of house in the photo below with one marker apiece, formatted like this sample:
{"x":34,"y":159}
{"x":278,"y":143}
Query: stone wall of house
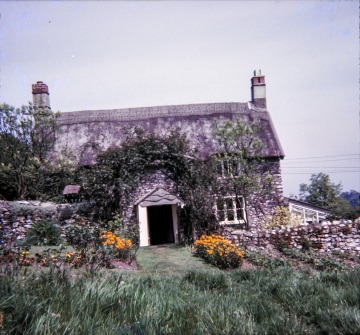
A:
{"x":148,"y":183}
{"x":260,"y":206}
{"x":327,"y":237}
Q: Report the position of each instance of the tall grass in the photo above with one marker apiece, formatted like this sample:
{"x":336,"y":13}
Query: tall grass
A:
{"x":267,"y":301}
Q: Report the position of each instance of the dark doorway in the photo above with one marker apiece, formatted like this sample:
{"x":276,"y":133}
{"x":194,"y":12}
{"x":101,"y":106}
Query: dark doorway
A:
{"x":160,"y":222}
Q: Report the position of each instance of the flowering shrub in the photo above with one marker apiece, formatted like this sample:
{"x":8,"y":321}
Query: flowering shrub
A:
{"x":119,"y":247}
{"x":281,"y":218}
{"x":219,"y":251}
{"x":24,"y":260}
{"x":75,"y":259}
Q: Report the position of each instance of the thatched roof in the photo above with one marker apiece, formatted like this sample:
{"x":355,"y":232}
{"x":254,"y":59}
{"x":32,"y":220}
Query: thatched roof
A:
{"x":197,"y":121}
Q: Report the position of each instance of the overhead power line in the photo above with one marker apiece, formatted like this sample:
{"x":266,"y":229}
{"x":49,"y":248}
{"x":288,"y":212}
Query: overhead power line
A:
{"x":326,"y":160}
{"x":291,"y":159}
{"x":321,"y":167}
{"x":307,"y":173}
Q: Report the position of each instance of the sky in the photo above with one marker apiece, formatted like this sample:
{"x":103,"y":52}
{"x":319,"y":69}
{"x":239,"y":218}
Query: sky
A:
{"x":120,"y":54}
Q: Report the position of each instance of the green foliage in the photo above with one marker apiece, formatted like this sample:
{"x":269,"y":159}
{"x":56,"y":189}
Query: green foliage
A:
{"x":263,"y":260}
{"x":118,"y":171}
{"x":199,"y":183}
{"x":280,"y":218}
{"x":240,"y":155}
{"x":44,"y":232}
{"x":83,"y":236}
{"x":308,"y":256}
{"x":323,"y":193}
{"x":353,"y":197}
{"x":27,"y":136}
{"x":127,"y":231}
{"x":267,"y":301}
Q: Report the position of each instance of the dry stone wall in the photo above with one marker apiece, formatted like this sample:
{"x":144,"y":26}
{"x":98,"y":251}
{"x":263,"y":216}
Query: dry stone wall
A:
{"x":18,"y":216}
{"x":327,"y":237}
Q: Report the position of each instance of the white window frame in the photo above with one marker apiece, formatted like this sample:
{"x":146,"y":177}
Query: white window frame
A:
{"x":227,"y":167}
{"x":234,"y":209}
{"x":307,"y":215}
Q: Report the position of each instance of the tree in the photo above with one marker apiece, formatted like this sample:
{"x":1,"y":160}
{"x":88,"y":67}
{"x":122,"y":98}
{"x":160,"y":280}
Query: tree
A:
{"x":27,"y":135}
{"x":241,"y":161}
{"x":353,"y":197}
{"x":323,"y":193}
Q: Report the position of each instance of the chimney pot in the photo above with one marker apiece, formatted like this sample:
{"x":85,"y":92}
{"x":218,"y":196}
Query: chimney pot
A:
{"x":258,"y":90}
{"x":40,"y":92}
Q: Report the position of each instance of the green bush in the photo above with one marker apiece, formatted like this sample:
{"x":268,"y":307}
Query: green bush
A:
{"x":44,"y":232}
{"x":83,"y":237}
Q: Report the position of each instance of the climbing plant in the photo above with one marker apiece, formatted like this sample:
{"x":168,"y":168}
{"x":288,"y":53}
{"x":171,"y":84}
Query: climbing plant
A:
{"x":110,"y":183}
{"x":240,"y":160}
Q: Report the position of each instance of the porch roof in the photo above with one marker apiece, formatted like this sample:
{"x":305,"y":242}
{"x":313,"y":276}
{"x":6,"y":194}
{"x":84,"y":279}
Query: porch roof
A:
{"x":158,"y":197}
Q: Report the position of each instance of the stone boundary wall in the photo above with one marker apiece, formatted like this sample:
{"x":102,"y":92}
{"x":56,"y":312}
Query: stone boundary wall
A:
{"x":18,"y":216}
{"x":338,"y":236}
{"x":326,"y":237}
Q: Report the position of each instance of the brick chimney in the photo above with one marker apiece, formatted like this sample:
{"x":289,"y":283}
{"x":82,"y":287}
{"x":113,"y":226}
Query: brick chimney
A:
{"x":40,"y":92}
{"x":258,"y":90}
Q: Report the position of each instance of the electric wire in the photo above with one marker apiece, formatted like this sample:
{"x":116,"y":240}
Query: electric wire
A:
{"x":307,"y":173}
{"x":315,"y":157}
{"x":290,"y":164}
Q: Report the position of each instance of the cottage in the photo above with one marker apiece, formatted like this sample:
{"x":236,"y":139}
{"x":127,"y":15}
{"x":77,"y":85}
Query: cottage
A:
{"x":155,"y":202}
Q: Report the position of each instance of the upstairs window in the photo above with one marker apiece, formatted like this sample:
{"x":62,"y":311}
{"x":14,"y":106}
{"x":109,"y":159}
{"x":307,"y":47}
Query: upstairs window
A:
{"x":228,"y":167}
{"x":230,"y":210}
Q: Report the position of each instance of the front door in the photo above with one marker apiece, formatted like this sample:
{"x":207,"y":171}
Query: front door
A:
{"x":160,"y":220}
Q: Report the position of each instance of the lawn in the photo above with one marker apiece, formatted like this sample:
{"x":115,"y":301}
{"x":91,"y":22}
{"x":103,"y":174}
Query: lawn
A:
{"x":169,"y":259}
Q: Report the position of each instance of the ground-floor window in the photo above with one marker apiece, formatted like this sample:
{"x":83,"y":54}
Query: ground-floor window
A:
{"x":230,"y":210}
